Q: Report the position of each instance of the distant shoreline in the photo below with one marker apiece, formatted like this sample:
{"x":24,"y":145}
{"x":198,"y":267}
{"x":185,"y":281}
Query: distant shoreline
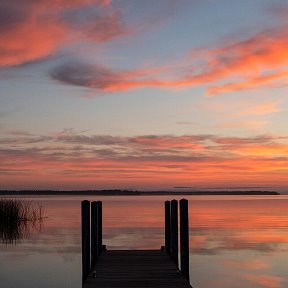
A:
{"x":134,"y":193}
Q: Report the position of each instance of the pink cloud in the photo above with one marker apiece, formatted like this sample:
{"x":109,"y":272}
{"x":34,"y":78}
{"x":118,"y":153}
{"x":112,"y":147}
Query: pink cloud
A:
{"x":41,"y":28}
{"x":255,"y":61}
{"x":173,"y":160}
{"x":249,"y":83}
{"x":247,"y":60}
{"x":38,"y":29}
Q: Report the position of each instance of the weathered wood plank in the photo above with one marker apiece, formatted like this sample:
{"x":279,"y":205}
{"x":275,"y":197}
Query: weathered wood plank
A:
{"x":135,"y":268}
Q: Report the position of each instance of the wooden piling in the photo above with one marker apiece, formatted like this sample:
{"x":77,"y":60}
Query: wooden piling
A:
{"x":99,"y":227}
{"x":94,"y":232}
{"x":85,"y":213}
{"x":184,"y":238}
{"x":174,"y":231}
{"x":168,"y":227}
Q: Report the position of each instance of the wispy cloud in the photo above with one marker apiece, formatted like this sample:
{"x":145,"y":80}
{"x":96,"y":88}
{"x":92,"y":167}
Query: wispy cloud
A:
{"x":191,"y":159}
{"x":255,"y":61}
{"x":39,"y":28}
{"x":249,"y":59}
{"x":248,"y":83}
{"x":106,"y":79}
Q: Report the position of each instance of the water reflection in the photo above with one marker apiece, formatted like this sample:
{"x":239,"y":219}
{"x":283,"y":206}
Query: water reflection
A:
{"x":12,"y":232}
{"x":257,"y":225}
{"x":18,"y":219}
{"x":235,"y":242}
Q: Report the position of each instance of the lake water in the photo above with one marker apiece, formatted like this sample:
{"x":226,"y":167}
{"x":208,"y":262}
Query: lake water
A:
{"x":235,"y":241}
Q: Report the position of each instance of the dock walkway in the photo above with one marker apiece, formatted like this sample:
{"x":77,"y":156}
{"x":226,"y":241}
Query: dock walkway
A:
{"x":103,"y":268}
{"x":135,"y":268}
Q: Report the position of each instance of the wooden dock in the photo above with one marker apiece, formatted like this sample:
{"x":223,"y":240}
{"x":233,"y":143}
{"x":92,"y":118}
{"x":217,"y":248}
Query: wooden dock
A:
{"x":135,"y":268}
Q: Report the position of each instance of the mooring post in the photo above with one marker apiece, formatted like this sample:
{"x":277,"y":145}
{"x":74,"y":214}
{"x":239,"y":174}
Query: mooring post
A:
{"x":85,"y":218}
{"x":94,"y":232}
{"x":184,"y":238}
{"x":174,"y":231}
{"x":168,"y":227}
{"x":99,"y":227}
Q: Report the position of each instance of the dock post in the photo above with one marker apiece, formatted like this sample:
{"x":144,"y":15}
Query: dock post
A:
{"x":174,"y":231}
{"x":168,"y":227}
{"x":94,"y":232}
{"x":184,"y":238}
{"x":85,"y":213}
{"x":99,"y":227}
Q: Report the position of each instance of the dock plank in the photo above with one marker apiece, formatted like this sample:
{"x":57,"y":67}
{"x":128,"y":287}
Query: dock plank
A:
{"x":135,"y":269}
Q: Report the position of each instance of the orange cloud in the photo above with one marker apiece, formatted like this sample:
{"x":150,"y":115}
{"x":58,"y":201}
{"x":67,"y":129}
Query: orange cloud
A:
{"x":269,"y":150}
{"x":247,"y":60}
{"x":250,"y":83}
{"x":258,"y":60}
{"x":144,"y":160}
{"x":31,"y":39}
{"x":38,"y":29}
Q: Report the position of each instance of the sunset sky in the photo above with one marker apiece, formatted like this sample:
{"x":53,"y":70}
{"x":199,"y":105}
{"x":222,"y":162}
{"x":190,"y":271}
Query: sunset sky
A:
{"x":134,"y":94}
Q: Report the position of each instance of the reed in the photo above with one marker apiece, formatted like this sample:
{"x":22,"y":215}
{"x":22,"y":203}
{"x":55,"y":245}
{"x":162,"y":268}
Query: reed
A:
{"x":17,"y":218}
{"x":19,"y":210}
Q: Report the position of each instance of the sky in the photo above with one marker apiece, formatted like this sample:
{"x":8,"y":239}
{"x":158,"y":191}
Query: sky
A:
{"x":133,"y":94}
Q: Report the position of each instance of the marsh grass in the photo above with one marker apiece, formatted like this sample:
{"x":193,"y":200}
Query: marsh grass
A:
{"x":18,"y":218}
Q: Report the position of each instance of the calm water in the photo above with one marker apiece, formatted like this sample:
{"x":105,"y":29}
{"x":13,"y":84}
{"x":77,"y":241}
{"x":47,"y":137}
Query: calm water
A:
{"x":235,"y":242}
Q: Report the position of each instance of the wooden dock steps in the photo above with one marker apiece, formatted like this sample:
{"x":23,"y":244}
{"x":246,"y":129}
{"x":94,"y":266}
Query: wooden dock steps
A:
{"x":137,"y":269}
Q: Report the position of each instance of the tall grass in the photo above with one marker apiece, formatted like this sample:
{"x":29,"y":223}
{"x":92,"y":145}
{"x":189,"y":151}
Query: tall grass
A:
{"x":17,"y":218}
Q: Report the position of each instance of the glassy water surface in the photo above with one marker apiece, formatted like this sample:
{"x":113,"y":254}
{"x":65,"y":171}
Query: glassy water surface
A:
{"x":235,"y":241}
